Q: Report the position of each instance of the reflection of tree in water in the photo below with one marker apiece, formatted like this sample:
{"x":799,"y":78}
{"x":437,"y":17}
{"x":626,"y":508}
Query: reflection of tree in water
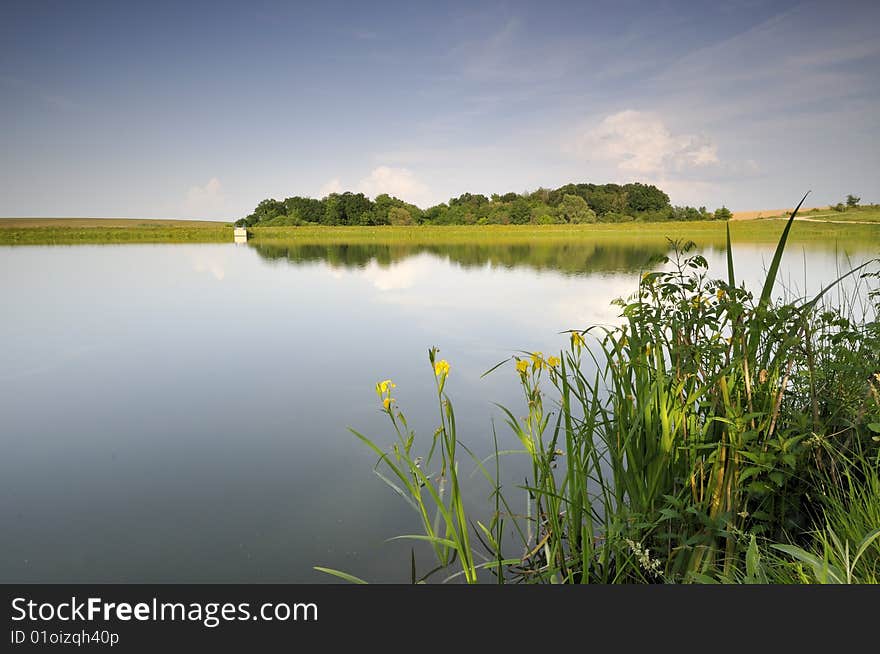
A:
{"x":566,"y":257}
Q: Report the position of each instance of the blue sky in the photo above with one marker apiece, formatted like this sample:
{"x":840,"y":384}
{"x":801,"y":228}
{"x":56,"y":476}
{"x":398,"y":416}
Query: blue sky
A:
{"x":203,"y":109}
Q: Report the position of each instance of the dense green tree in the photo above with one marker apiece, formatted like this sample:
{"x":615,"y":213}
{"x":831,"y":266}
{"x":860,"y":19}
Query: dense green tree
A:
{"x":723,"y":213}
{"x":268,"y":209}
{"x":571,"y":203}
{"x":334,"y":210}
{"x":520,"y":212}
{"x":574,"y":209}
{"x":602,"y":200}
{"x":852,"y":201}
{"x":306,"y":209}
{"x":400,"y":216}
{"x":645,"y":197}
{"x":469,"y":199}
{"x":356,"y":209}
{"x":434,"y":215}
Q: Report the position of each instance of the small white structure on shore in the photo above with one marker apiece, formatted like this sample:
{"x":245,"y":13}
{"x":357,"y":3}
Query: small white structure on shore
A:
{"x":240,"y":235}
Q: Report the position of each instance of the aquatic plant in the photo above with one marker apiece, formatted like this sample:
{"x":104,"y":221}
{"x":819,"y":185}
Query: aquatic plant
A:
{"x":689,"y":444}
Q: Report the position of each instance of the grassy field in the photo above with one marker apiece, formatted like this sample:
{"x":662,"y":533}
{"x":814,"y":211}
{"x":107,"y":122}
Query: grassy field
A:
{"x":859,"y":214}
{"x":65,"y":231}
{"x":868,"y":213}
{"x":70,"y":231}
{"x":705,"y":233}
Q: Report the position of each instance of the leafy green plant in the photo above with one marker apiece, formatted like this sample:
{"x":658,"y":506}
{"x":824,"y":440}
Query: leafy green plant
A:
{"x":674,"y":442}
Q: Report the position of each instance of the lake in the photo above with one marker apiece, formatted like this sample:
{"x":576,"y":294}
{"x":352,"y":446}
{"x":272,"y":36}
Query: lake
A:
{"x":180,"y":413}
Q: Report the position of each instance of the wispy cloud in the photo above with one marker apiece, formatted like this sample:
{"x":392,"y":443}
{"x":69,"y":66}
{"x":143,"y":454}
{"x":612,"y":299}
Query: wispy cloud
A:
{"x":330,"y":186}
{"x":640,"y":143}
{"x":511,"y":54}
{"x":208,"y":201}
{"x":50,"y":98}
{"x":399,"y":182}
{"x":778,"y":66}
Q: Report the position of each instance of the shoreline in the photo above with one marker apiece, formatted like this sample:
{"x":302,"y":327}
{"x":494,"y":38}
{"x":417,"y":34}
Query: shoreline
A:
{"x":60,"y":231}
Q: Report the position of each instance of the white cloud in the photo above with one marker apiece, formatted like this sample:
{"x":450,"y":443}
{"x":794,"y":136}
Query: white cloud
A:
{"x":206,"y":201}
{"x":215,"y":268}
{"x":332,"y":186}
{"x":640,"y":143}
{"x":398,"y":276}
{"x":399,"y":182}
{"x":693,"y":192}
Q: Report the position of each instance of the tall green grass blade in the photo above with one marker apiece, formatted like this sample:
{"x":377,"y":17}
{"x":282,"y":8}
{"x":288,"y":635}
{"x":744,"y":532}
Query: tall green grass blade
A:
{"x":341,"y":575}
{"x":731,"y":278}
{"x":865,"y":544}
{"x":824,"y":572}
{"x":772,"y":272}
{"x":430,"y":539}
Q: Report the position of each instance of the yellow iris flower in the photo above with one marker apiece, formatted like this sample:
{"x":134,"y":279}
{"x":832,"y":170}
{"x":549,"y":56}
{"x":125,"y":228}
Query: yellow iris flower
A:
{"x":383,"y":387}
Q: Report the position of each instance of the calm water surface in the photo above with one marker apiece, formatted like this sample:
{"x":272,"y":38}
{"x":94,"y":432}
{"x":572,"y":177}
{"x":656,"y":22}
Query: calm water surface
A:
{"x":180,"y":412}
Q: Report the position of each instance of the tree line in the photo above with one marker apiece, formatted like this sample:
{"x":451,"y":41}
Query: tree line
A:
{"x":569,"y":204}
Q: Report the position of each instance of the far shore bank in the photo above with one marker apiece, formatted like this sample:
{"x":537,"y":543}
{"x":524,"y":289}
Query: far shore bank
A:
{"x":48,"y":231}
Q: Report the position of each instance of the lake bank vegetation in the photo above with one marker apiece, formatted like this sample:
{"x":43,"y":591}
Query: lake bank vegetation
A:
{"x":567,"y":205}
{"x":717,"y":435}
{"x":72,"y":231}
{"x":702,"y":232}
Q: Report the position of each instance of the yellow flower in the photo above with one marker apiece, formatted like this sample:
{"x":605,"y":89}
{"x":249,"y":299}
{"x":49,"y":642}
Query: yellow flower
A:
{"x":553,"y":362}
{"x":521,"y":366}
{"x":577,"y":340}
{"x":387,"y":402}
{"x":720,"y":293}
{"x":537,"y":360}
{"x":441,"y":367}
{"x":382,"y":387}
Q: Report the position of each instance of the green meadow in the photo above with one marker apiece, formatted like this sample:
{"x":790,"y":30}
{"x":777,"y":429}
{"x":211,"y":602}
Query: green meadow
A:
{"x":702,"y":232}
{"x":72,"y":231}
{"x":869,"y":213}
{"x":69,"y":231}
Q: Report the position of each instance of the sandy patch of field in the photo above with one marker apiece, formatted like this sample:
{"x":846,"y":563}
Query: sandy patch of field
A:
{"x":767,"y":213}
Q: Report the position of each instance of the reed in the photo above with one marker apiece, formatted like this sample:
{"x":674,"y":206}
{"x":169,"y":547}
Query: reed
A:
{"x":688,"y":444}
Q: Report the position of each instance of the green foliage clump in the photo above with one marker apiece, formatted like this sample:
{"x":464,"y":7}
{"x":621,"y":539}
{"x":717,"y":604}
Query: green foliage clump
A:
{"x":569,"y":204}
{"x":723,"y":213}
